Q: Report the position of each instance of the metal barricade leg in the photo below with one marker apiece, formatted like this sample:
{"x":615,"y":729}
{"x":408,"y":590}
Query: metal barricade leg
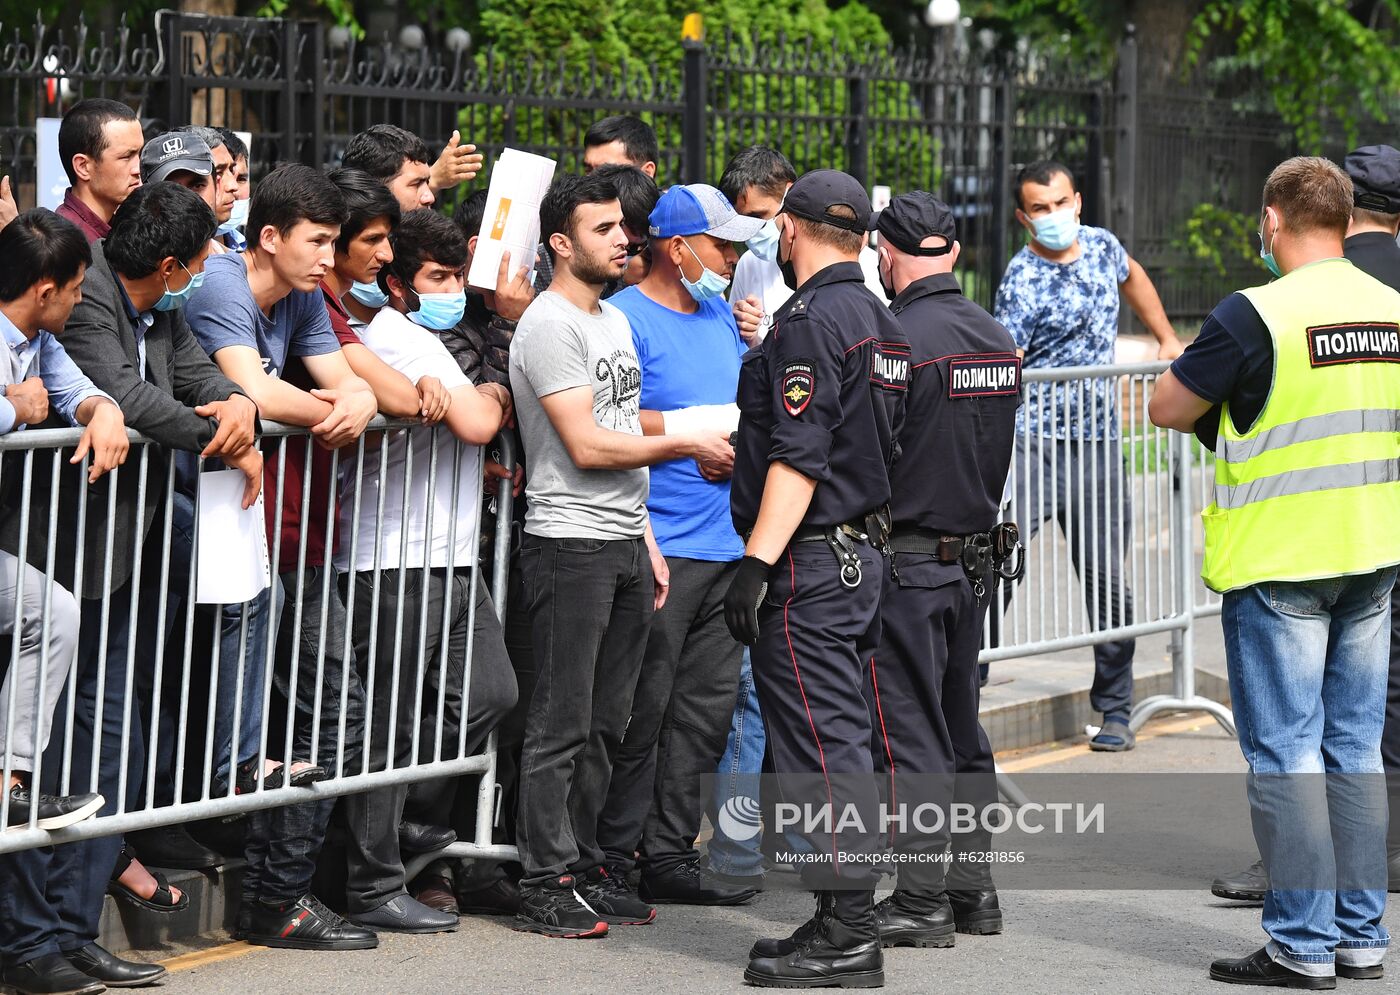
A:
{"x":1183,"y":697}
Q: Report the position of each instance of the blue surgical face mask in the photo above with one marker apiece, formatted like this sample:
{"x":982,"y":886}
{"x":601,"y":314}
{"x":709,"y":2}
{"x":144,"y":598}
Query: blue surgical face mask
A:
{"x":173,"y":300}
{"x":1058,"y":230}
{"x":369,"y":294}
{"x":764,"y":243}
{"x":237,"y":219}
{"x":709,"y":286}
{"x":439,"y":311}
{"x":1268,"y":257}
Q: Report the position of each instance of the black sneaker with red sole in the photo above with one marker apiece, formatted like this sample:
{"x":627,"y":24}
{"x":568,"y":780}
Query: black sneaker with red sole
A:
{"x":555,"y":909}
{"x":608,"y":895}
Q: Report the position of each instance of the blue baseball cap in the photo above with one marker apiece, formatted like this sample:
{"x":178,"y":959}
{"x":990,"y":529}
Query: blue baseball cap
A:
{"x":697,"y":209}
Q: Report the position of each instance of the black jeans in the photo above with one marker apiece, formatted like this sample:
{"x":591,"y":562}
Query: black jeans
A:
{"x":1082,"y":485}
{"x":412,"y":669}
{"x":318,"y":691}
{"x":591,"y":608}
{"x":664,"y":774}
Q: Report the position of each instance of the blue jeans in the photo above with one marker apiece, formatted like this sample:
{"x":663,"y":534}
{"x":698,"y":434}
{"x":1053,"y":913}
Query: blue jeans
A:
{"x":737,"y":779}
{"x":1308,"y":665}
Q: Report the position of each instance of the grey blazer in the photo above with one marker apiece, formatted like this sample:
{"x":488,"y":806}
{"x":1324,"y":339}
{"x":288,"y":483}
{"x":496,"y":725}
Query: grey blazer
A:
{"x":179,"y":377}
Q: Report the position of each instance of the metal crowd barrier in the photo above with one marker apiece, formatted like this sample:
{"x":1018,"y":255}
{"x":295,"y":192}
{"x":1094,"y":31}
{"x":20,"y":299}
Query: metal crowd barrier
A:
{"x":165,"y":670}
{"x":1118,"y":516}
{"x":1131,"y":500}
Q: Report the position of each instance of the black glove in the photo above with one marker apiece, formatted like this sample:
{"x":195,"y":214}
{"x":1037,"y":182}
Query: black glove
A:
{"x":741,"y":603}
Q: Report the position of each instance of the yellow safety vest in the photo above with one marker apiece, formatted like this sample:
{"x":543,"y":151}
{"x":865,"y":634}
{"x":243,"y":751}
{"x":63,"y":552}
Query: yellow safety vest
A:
{"x":1312,"y":489}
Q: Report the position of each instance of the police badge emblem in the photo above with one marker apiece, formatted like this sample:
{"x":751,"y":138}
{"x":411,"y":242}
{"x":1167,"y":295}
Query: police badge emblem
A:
{"x":799,"y":381}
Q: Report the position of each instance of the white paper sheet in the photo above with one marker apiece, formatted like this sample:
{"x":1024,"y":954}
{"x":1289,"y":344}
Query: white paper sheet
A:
{"x":512,"y":219}
{"x":231,"y":542}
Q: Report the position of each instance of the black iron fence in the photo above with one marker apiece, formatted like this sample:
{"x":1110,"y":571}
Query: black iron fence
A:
{"x":958,"y":125}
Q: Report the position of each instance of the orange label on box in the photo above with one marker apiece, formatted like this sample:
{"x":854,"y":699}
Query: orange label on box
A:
{"x":498,"y":227}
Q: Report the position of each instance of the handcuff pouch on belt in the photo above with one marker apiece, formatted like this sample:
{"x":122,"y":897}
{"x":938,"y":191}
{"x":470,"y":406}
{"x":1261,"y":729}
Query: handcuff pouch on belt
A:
{"x":979,"y":553}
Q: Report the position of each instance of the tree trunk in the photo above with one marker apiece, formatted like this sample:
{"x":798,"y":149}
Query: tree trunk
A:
{"x":1162,"y":29}
{"x":215,"y":106}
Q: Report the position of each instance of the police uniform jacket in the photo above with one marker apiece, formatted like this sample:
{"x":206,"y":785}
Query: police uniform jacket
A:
{"x":959,"y":426}
{"x":823,"y":393}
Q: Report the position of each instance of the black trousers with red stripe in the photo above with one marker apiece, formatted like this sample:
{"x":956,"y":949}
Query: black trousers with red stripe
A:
{"x":923,"y":693}
{"x":809,"y":666}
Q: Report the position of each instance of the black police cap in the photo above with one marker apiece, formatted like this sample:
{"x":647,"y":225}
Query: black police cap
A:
{"x":816,"y":193}
{"x":912,"y":217}
{"x":1375,"y":177}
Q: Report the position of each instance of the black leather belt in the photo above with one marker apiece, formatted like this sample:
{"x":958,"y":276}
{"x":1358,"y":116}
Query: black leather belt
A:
{"x":819,"y":533}
{"x":945,"y":548}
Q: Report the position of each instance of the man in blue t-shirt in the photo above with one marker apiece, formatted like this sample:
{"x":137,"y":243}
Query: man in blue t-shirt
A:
{"x":1059,"y":299}
{"x":689,"y":347}
{"x":254,"y":313}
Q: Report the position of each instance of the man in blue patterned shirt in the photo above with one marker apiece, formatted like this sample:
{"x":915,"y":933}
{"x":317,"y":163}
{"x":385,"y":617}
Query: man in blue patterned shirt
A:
{"x":1059,"y":299}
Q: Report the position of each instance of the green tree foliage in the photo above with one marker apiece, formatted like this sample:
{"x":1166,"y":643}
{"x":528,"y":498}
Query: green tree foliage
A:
{"x":1324,"y":65}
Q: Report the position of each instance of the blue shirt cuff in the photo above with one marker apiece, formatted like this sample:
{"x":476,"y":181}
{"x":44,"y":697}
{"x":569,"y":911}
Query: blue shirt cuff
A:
{"x":7,"y":416}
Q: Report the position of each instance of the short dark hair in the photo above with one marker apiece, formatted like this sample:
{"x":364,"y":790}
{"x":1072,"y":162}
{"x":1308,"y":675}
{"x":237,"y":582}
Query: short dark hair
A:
{"x":38,"y":245}
{"x":636,"y":136}
{"x":382,"y":149}
{"x":636,"y":191}
{"x":469,"y":214}
{"x":566,"y":193}
{"x":234,"y":144}
{"x":290,"y":194}
{"x":757,"y":166}
{"x":157,"y":220}
{"x":1041,"y":172}
{"x":81,"y":130}
{"x":424,"y":235}
{"x":365,"y":199}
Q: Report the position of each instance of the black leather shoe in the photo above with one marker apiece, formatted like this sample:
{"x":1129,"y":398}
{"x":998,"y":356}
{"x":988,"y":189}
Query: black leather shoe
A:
{"x":1260,"y":969}
{"x":415,"y":837}
{"x":305,"y":924}
{"x":977,"y":913}
{"x":690,"y":884}
{"x":834,"y":956}
{"x":55,"y":811}
{"x":1249,"y":885}
{"x":1370,"y":973}
{"x":50,"y":974}
{"x":783,"y":945}
{"x":172,"y":847}
{"x":405,"y":915}
{"x":900,"y":927}
{"x":111,"y":970}
{"x":500,"y":898}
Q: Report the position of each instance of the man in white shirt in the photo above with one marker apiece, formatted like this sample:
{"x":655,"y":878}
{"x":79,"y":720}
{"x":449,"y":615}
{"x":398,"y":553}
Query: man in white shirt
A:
{"x":408,"y":536}
{"x":755,"y":181}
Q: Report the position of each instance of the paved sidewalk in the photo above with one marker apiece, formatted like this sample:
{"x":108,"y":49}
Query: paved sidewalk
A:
{"x":1056,"y":941}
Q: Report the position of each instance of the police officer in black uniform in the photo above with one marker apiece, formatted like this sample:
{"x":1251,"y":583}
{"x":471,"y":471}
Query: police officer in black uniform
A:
{"x":1370,"y":246}
{"x":821,"y":401}
{"x":922,"y":685}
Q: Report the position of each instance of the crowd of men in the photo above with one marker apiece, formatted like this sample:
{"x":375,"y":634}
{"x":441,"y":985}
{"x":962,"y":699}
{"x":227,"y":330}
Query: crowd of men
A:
{"x":761,"y":514}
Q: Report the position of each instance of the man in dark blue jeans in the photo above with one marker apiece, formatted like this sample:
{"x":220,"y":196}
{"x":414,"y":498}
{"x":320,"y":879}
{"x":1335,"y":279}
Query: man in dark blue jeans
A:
{"x":593,"y":575}
{"x":144,"y":355}
{"x":256,"y":313}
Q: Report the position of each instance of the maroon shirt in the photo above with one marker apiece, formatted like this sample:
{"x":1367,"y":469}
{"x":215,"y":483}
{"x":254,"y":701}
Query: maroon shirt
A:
{"x":81,"y":215}
{"x":310,"y":521}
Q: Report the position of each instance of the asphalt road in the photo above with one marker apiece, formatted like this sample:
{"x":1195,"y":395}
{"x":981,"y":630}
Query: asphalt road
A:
{"x":1106,"y":941}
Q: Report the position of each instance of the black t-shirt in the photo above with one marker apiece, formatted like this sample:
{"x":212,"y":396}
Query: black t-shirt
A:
{"x":1233,"y":357}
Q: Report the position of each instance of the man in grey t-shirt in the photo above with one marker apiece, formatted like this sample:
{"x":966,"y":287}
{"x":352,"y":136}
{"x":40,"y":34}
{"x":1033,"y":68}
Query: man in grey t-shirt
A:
{"x":557,"y":347}
{"x":593,"y":575}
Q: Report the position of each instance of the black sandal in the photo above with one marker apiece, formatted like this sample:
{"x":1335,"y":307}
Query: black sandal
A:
{"x":163,"y":901}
